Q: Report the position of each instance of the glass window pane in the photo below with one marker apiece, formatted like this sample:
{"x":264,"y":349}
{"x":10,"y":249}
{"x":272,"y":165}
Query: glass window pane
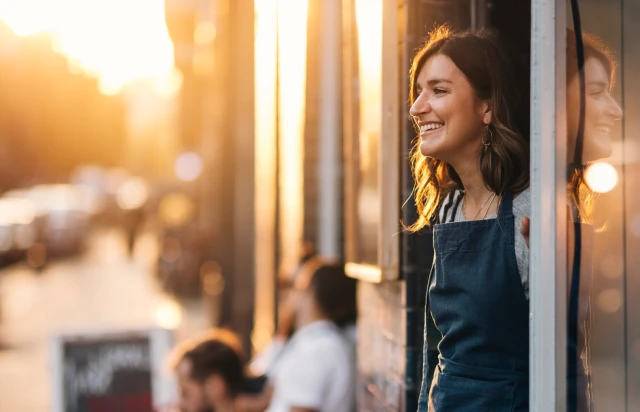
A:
{"x":603,"y":184}
{"x":369,"y":23}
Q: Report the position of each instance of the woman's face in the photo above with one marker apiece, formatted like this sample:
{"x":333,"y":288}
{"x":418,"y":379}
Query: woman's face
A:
{"x":450,"y":117}
{"x":601,"y":112}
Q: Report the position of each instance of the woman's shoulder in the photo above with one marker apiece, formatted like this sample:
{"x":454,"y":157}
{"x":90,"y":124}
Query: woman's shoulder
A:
{"x":522,"y":203}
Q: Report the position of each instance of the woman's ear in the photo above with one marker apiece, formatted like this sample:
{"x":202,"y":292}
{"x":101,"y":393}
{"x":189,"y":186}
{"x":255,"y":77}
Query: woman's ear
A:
{"x":487,"y":118}
{"x":486,"y":112}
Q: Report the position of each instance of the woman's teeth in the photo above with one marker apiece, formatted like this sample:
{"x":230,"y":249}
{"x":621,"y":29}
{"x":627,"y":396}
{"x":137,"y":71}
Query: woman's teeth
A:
{"x":430,"y":126}
{"x":603,"y":129}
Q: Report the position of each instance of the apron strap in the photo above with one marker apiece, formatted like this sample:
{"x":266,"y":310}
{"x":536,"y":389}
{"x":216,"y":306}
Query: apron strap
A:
{"x":505,"y":210}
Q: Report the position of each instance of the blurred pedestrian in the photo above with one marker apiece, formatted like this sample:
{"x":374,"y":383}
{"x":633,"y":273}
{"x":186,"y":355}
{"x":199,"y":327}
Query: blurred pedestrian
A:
{"x":317,"y":369}
{"x":211,"y":372}
{"x":471,"y":170}
{"x":265,"y":361}
{"x":132,"y":222}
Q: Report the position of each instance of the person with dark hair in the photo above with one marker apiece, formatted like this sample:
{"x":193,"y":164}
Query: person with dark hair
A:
{"x":210,"y":371}
{"x":264,"y":363}
{"x":317,"y":370}
{"x":471,"y":169}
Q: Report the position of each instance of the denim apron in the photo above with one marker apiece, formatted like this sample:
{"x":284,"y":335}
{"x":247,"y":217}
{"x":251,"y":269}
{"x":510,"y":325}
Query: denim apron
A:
{"x":478,"y":304}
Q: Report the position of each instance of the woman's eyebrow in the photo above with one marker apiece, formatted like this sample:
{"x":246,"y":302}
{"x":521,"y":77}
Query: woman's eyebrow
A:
{"x":433,"y":82}
{"x":598,"y":83}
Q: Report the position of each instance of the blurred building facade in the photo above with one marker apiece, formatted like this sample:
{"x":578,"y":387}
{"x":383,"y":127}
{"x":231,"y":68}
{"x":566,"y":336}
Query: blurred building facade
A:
{"x":213,"y":49}
{"x":52,"y":118}
{"x":272,"y":152}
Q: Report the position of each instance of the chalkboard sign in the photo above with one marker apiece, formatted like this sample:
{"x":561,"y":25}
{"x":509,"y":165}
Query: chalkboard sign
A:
{"x":112,"y":371}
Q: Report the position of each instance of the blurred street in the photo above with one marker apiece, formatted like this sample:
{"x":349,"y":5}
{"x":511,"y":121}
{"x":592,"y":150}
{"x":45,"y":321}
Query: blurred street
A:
{"x":101,"y":288}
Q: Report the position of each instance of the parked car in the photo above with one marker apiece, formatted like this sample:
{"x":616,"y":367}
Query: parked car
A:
{"x":62,"y":216}
{"x":18,"y":228}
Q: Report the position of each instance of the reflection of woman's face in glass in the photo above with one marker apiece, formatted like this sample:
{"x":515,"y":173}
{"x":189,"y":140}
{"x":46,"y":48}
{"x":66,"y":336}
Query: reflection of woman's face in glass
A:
{"x":601,"y":112}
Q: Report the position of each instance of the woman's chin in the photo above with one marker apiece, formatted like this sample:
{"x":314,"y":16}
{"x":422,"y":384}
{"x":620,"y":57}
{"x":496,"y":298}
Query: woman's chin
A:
{"x":427,"y":149}
{"x":595,"y":152}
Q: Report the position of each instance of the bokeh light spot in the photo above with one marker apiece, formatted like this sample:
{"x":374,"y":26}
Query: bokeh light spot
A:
{"x":188,"y":166}
{"x":132,"y":194}
{"x":168,"y":314}
{"x":609,"y":301}
{"x":176,"y":209}
{"x":601,"y":177}
{"x":612,"y":266}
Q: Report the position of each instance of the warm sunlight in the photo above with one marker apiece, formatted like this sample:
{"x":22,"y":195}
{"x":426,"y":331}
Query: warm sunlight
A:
{"x":369,"y":23}
{"x":118,"y":41}
{"x":292,"y":54}
{"x":601,"y":177}
{"x":265,"y":107}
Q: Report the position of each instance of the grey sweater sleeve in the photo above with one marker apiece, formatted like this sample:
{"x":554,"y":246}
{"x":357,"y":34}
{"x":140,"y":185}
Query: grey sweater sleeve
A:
{"x":521,"y":208}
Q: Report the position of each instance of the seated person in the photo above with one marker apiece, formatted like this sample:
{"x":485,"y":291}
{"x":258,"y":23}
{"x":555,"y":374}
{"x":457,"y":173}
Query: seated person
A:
{"x":317,"y":369}
{"x":264,"y":362}
{"x":210,"y":372}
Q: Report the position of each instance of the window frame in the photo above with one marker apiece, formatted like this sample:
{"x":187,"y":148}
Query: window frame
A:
{"x":548,"y":241}
{"x":386,"y":266}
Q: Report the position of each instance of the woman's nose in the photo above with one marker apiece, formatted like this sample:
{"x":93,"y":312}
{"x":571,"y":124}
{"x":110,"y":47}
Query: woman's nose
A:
{"x":614,"y":108}
{"x":421,"y":105}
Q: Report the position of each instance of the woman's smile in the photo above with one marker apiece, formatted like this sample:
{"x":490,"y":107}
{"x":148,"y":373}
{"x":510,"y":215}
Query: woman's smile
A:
{"x":605,"y":131}
{"x":429,"y":128}
{"x":601,"y":113}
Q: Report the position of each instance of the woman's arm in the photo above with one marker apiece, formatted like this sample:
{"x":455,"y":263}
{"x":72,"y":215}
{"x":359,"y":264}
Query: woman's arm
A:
{"x":525,"y":230}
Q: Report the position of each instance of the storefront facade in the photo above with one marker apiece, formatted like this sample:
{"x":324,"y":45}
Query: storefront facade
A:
{"x":393,"y":264}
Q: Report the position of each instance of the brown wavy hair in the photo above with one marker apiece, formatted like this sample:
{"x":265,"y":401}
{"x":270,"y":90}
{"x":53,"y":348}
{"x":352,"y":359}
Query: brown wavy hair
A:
{"x":491,"y":72}
{"x":580,"y":194}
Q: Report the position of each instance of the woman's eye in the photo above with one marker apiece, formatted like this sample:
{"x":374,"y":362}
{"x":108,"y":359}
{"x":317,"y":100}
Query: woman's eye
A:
{"x":596,"y":92}
{"x":439,"y":91}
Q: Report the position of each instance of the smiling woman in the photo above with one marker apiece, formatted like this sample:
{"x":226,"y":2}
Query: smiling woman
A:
{"x":471,"y":183}
{"x":117,"y":41}
{"x":462,"y":106}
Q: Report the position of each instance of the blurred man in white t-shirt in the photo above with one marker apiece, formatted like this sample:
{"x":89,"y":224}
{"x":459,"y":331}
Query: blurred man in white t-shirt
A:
{"x":317,"y":369}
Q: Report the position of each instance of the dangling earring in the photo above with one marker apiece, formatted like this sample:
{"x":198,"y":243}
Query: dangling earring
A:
{"x":488,"y":143}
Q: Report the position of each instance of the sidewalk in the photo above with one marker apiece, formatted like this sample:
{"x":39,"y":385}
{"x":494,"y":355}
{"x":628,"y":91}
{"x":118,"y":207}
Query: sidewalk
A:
{"x":101,"y":289}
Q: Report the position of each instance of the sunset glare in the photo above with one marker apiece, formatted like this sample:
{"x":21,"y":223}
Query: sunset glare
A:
{"x":117,"y":41}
